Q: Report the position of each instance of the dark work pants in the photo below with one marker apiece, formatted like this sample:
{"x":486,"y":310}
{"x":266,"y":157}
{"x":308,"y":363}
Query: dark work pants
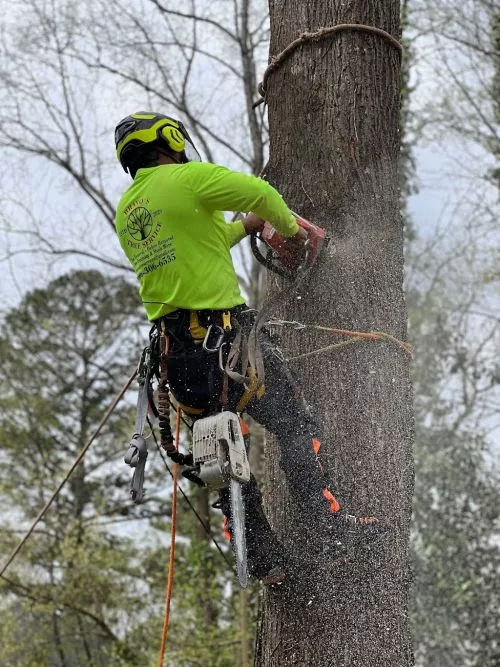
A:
{"x":196,"y":381}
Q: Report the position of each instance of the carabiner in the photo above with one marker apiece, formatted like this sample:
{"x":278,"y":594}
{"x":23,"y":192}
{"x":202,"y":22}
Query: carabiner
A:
{"x":213,"y":330}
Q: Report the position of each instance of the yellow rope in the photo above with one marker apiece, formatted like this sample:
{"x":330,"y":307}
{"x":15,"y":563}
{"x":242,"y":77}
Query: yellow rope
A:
{"x":329,"y":348}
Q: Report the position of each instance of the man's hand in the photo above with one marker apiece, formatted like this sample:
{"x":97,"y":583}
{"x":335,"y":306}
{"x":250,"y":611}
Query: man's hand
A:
{"x":297,"y":242}
{"x":253,"y":224}
{"x":301,"y":236}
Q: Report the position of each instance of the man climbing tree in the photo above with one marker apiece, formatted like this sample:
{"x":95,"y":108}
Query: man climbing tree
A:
{"x":334,"y":144}
{"x":180,"y":251}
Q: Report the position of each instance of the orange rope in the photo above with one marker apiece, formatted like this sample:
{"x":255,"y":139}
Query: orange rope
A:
{"x":170,"y":577}
{"x":369,"y":335}
{"x":357,"y":335}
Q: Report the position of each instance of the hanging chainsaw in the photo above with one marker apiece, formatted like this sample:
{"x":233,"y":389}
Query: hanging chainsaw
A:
{"x":220,"y":461}
{"x":285,"y":256}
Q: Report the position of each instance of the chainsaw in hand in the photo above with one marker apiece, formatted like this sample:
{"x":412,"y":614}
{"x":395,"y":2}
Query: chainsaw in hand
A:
{"x":289,"y":257}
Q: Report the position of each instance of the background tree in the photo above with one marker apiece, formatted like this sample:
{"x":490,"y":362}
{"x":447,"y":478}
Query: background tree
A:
{"x":457,"y":504}
{"x":80,"y":587}
{"x":453,"y":288}
{"x":60,"y":365}
{"x":59,"y":110}
{"x":334,"y":145}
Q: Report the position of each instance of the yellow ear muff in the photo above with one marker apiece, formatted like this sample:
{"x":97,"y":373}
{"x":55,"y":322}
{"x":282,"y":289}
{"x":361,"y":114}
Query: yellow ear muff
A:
{"x":174,"y":138}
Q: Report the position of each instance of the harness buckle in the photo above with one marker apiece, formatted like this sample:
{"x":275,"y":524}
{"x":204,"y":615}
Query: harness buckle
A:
{"x":226,"y":320}
{"x":213,"y":338}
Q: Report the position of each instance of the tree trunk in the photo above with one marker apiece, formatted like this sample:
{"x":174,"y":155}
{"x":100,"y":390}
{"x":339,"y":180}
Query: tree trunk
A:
{"x":334,"y":145}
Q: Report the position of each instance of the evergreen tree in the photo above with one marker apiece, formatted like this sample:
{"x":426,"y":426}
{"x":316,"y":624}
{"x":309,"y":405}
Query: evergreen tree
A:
{"x":456,"y":518}
{"x":88,"y":587}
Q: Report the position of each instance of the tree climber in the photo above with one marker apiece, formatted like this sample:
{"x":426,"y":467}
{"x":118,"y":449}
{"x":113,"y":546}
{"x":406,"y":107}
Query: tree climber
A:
{"x":171,"y":226}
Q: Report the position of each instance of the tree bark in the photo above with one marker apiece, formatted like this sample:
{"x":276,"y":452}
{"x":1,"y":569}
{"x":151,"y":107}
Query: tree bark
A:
{"x":334,"y":146}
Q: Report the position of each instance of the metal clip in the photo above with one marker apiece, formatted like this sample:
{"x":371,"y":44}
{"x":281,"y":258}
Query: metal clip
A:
{"x":136,"y":458}
{"x":216,"y":331}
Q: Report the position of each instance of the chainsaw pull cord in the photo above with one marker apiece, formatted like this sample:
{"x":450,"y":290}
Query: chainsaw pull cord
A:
{"x":173,"y":524}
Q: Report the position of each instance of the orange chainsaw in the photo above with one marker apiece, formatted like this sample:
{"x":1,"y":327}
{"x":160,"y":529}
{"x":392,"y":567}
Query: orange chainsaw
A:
{"x":289,"y":257}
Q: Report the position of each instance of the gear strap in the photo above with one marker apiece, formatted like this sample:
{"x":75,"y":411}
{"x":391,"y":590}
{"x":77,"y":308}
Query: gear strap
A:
{"x":137,"y":452}
{"x":251,"y":360}
{"x":167,"y":439}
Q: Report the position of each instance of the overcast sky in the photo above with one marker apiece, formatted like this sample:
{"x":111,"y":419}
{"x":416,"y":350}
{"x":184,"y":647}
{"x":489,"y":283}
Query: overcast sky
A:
{"x":50,"y":199}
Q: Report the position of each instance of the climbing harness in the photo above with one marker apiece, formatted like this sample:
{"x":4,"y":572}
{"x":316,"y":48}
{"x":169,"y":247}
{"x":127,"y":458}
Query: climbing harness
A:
{"x":219,"y":458}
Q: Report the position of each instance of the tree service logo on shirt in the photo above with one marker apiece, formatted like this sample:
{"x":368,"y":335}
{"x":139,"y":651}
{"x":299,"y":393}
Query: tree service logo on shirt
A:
{"x":142,"y":227}
{"x":139,"y":223}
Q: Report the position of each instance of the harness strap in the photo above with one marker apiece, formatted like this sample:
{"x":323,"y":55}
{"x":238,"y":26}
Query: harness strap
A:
{"x":137,"y":452}
{"x":189,"y":410}
{"x":254,"y":385}
{"x":197,"y":332}
{"x":167,"y":439}
{"x":255,"y":388}
{"x":236,"y":350}
{"x":255,"y":357}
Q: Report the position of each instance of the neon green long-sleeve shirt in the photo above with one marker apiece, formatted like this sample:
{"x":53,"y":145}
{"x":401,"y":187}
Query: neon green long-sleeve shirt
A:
{"x":171,"y":227}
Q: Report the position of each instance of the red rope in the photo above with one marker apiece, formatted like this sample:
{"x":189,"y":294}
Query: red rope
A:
{"x":170,"y":577}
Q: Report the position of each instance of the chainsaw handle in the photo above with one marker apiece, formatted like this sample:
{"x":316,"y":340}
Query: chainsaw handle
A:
{"x":256,"y":250}
{"x":266,"y":260}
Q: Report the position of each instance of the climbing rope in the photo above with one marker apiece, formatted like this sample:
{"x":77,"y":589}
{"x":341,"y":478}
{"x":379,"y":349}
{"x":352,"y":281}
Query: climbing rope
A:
{"x":318,"y":35}
{"x":357,"y":336}
{"x":170,"y":576}
{"x":77,"y":461}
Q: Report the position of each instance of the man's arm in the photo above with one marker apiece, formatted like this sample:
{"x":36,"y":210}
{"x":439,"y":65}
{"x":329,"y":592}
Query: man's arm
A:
{"x":221,"y":189}
{"x":236,"y":231}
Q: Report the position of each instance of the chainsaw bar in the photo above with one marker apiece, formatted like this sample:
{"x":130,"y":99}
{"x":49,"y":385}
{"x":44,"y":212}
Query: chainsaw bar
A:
{"x":238,"y":530}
